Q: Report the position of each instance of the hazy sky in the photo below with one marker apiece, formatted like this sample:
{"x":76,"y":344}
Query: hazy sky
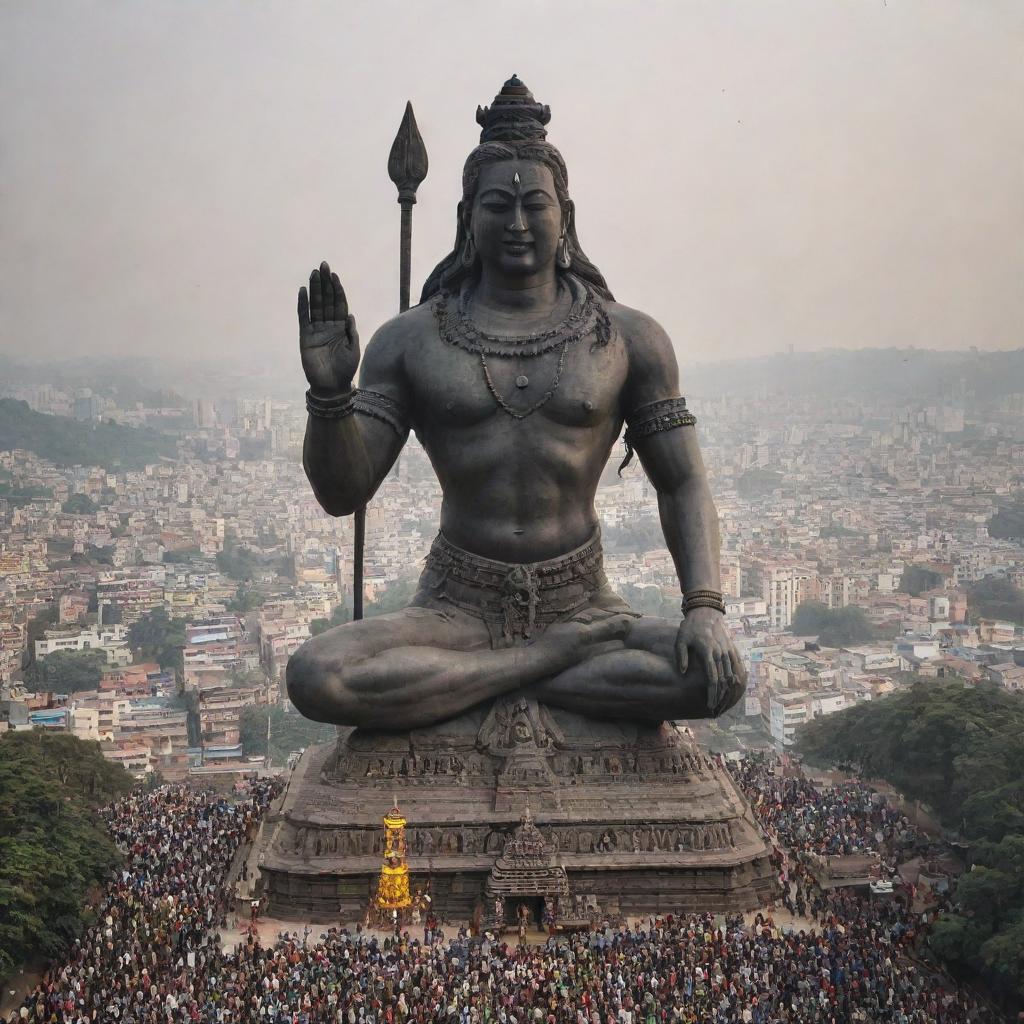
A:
{"x":753,"y":173}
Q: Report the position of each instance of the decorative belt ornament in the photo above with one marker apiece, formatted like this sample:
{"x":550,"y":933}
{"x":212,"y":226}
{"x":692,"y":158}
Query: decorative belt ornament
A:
{"x":519,"y":597}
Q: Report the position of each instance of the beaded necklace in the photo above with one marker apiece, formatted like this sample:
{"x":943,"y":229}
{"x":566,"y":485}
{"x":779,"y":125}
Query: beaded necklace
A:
{"x":586,"y":316}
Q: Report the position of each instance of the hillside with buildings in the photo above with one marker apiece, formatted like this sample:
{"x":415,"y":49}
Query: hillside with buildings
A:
{"x":856,"y":556}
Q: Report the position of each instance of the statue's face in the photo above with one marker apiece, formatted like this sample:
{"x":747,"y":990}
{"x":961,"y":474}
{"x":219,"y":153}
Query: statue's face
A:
{"x":516,"y":219}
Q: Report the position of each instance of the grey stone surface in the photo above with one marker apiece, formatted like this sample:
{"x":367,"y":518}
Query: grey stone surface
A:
{"x":638,"y":818}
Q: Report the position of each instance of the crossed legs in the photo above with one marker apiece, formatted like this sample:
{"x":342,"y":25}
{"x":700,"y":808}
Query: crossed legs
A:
{"x":418,"y":666}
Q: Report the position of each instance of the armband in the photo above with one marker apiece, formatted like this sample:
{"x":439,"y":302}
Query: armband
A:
{"x":369,"y":403}
{"x":380,"y":407}
{"x":649,"y":419}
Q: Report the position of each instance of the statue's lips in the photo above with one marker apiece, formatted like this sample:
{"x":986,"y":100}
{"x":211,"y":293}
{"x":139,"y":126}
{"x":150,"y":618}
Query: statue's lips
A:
{"x":517,"y":248}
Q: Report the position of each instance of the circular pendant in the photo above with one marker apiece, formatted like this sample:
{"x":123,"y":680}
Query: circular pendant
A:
{"x":522,"y":380}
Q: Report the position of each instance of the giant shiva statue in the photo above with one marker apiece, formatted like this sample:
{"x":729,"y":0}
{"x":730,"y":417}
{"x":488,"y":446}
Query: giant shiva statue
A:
{"x":517,"y":370}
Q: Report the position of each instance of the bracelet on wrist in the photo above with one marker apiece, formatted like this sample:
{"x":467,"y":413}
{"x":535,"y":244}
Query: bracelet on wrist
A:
{"x":333,"y":407}
{"x":703,"y":599}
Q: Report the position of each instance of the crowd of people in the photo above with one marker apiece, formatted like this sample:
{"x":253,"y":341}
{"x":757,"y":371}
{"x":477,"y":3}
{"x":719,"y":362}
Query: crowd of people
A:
{"x":155,"y":955}
{"x":835,"y":820}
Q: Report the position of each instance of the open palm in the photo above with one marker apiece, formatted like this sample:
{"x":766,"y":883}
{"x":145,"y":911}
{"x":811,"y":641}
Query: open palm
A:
{"x":328,"y":340}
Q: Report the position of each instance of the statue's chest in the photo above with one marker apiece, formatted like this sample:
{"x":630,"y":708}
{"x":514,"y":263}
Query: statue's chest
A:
{"x":575,"y":385}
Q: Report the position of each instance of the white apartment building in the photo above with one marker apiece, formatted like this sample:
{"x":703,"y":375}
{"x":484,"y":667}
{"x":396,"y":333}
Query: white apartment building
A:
{"x":784,"y":589}
{"x":788,"y":709}
{"x":111,"y":640}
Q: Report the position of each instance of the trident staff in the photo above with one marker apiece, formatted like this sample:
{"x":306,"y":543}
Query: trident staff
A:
{"x":407,"y":167}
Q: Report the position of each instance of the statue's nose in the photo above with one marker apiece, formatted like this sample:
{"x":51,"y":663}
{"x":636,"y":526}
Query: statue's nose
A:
{"x":517,"y":223}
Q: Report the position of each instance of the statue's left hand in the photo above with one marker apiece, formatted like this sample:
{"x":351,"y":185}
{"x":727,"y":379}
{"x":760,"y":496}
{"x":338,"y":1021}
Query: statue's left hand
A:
{"x":702,"y":636}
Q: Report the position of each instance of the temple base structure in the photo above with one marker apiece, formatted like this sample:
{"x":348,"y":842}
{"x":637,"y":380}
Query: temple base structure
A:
{"x":635,"y":818}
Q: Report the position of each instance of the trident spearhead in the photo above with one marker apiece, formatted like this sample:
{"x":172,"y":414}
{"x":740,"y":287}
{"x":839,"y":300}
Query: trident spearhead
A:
{"x":407,"y":162}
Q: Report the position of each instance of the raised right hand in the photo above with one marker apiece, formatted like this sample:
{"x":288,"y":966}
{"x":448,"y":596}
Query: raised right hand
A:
{"x":328,"y":340}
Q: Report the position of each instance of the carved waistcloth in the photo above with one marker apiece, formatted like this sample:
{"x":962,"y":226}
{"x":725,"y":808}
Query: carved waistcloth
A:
{"x":517,"y":601}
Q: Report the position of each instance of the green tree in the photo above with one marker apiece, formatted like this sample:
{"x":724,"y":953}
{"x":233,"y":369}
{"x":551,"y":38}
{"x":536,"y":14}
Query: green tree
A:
{"x":810,"y":618}
{"x":157,"y":637}
{"x":289,"y":732}
{"x":70,"y":442}
{"x":245,"y":600}
{"x":238,"y":562}
{"x":996,"y":598}
{"x":80,"y":505}
{"x":834,"y":627}
{"x":339,"y":616}
{"x":54,"y":848}
{"x":960,"y":751}
{"x":651,"y":601}
{"x":66,"y":671}
{"x":1008,"y":523}
{"x":247,"y":677}
{"x":41,"y":622}
{"x":394,"y":596}
{"x":916,"y":579}
{"x":181,"y":556}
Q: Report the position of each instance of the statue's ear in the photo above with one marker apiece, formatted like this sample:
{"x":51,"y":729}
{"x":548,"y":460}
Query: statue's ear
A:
{"x":570,"y":219}
{"x":465,"y":214}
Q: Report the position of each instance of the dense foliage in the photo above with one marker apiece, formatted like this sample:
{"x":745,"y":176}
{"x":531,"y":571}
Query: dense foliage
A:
{"x":1008,"y":523}
{"x":995,"y":598}
{"x":238,"y":562}
{"x":157,"y":637}
{"x":79,"y":505}
{"x":916,"y":579}
{"x":53,"y":846}
{"x":339,"y":617}
{"x":289,"y":732}
{"x":834,"y":627}
{"x":961,"y":751}
{"x":70,"y":442}
{"x":66,"y":672}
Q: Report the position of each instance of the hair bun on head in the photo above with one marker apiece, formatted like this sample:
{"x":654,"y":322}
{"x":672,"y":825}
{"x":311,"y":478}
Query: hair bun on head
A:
{"x":514,"y":116}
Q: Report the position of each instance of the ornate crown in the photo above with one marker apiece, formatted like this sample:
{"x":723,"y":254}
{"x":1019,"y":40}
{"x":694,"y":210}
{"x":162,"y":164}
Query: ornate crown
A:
{"x":515,"y":116}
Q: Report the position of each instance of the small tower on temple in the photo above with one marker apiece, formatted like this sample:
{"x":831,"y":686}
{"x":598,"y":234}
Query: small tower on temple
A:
{"x":393,"y":885}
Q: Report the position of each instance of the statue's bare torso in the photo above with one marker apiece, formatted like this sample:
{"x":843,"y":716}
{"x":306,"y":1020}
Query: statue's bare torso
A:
{"x":514,"y":490}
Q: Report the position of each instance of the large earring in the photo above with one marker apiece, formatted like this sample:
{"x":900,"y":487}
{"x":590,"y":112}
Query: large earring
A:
{"x":468,"y":252}
{"x":563,"y":257}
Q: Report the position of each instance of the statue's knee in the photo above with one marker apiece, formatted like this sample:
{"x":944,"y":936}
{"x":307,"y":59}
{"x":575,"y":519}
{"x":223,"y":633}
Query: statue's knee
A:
{"x":305,"y":679}
{"x":315,"y":678}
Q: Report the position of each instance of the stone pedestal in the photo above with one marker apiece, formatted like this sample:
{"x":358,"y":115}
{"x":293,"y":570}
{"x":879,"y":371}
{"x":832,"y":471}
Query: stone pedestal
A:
{"x":638,"y":818}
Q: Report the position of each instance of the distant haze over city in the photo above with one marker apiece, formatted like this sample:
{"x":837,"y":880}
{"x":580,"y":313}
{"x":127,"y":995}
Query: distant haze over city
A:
{"x":756,"y":175}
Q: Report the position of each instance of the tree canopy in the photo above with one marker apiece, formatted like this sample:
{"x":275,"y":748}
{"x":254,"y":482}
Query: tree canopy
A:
{"x":996,"y":598}
{"x":289,"y":732}
{"x":157,"y":637}
{"x":79,"y":504}
{"x":66,"y":672}
{"x":834,"y":627}
{"x":70,"y":442}
{"x":1008,"y":523}
{"x":238,"y":562}
{"x":916,"y":579}
{"x":53,"y":845}
{"x":961,"y":751}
